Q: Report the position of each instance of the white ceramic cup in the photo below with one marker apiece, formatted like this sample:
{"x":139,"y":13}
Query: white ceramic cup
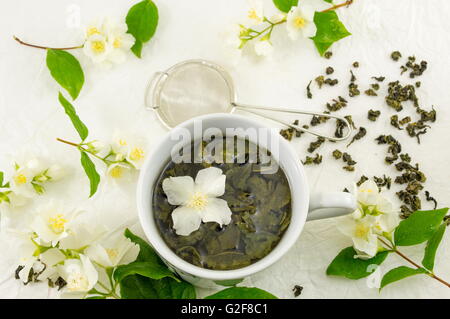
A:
{"x":304,"y":206}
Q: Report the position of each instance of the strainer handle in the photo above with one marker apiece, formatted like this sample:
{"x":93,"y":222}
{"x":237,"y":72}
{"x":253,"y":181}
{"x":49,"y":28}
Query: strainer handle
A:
{"x":149,"y":90}
{"x":251,"y":108}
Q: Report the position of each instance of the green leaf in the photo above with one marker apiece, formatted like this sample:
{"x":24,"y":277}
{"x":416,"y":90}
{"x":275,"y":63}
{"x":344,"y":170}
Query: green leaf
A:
{"x":329,"y":1}
{"x":399,"y":273}
{"x":38,"y":188}
{"x":418,"y":227}
{"x":147,"y":269}
{"x":142,"y":20}
{"x":329,"y":30}
{"x":77,"y":123}
{"x":242,"y":293}
{"x":137,"y":48}
{"x":1,"y":179}
{"x":285,"y":5}
{"x":139,"y":287}
{"x":66,"y":70}
{"x":146,"y":253}
{"x":96,"y":297}
{"x":432,"y":246}
{"x":91,"y":172}
{"x":4,"y":197}
{"x":345,"y":265}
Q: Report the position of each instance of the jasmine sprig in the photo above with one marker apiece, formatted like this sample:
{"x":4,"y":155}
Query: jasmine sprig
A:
{"x":329,"y":28}
{"x":83,"y":132}
{"x":141,"y":23}
{"x":420,"y":227}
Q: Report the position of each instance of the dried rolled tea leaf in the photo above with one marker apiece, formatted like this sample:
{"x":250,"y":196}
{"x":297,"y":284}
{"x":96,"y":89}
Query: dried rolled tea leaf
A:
{"x":350,"y":121}
{"x":315,"y":145}
{"x":375,"y":86}
{"x":320,"y":80}
{"x":337,"y":104}
{"x":404,"y":166}
{"x":331,"y":82}
{"x":329,"y":70}
{"x":427,"y":116}
{"x":17,"y":271}
{"x":414,"y":187}
{"x":405,"y":157}
{"x":356,"y":64}
{"x":347,"y":158}
{"x":349,"y":168}
{"x":431,"y":199}
{"x":370,"y":92}
{"x":404,"y":69}
{"x":353,"y":77}
{"x":361,"y":133}
{"x":417,"y":69}
{"x":394,"y":122}
{"x":378,"y":78}
{"x":362,"y":179}
{"x":353,"y":90}
{"x":297,"y":290}
{"x":328,"y":55}
{"x":337,"y":154}
{"x":383,"y":181}
{"x":412,"y":201}
{"x":405,"y":120}
{"x":318,"y":119}
{"x":340,"y":126}
{"x":313,"y":160}
{"x":405,"y":211}
{"x":396,"y":55}
{"x":288,"y":133}
{"x":418,"y":84}
{"x":397,"y":94}
{"x":373,"y":115}
{"x":391,"y":159}
{"x":395,"y":147}
{"x":416,"y":129}
{"x":308,"y":90}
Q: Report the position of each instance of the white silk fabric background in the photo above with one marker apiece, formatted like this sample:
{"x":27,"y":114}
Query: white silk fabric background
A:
{"x":31,"y":117}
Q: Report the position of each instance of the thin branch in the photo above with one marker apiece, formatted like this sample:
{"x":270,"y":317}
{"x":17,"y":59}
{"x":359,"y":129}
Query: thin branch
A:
{"x":42,"y":47}
{"x":346,"y":3}
{"x":432,"y":275}
{"x":67,"y":142}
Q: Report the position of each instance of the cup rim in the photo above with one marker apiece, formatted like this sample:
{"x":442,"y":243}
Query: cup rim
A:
{"x":299,"y":196}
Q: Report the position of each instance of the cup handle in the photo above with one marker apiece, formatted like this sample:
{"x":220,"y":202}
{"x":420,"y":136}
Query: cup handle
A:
{"x":326,"y":205}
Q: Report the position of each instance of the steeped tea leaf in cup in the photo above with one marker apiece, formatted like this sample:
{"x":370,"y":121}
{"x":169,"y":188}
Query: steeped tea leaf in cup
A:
{"x":259,"y":199}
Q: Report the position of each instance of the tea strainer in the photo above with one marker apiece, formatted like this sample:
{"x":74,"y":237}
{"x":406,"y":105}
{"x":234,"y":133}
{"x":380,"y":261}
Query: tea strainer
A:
{"x":197,"y":87}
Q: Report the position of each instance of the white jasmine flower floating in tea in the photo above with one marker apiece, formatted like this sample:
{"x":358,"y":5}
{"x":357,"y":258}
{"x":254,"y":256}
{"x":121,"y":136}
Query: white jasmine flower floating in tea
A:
{"x":197,"y":200}
{"x":375,"y":216}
